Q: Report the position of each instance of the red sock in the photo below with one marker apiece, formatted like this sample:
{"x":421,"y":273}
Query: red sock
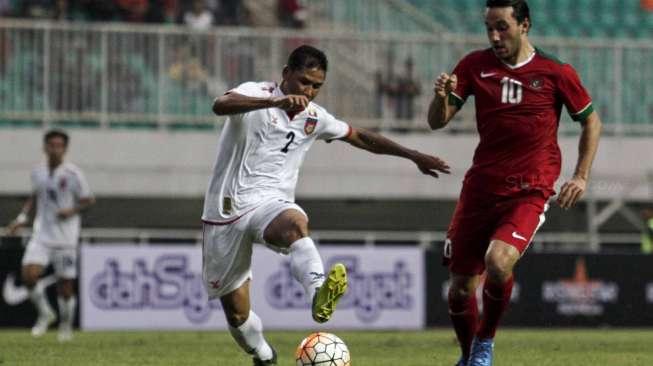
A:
{"x":464,"y":316}
{"x":496,"y":298}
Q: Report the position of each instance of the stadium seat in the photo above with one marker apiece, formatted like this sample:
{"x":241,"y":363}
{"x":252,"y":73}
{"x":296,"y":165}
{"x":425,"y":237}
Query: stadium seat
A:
{"x":630,"y":18}
{"x":181,"y":127}
{"x":593,"y":18}
{"x":134,"y":125}
{"x":19,"y":124}
{"x":64,"y":124}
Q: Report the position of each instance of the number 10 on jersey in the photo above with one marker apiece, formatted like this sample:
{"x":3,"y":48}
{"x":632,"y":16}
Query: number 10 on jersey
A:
{"x":511,"y":90}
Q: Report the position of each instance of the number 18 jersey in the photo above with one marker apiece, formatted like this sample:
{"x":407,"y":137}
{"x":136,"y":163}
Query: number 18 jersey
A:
{"x":260,"y":153}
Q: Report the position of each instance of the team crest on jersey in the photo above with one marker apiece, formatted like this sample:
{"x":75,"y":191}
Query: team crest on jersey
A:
{"x":311,"y":122}
{"x":62,"y":184}
{"x":536,"y":83}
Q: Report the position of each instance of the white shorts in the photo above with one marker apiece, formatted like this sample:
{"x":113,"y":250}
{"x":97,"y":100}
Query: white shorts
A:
{"x":227,"y":249}
{"x":63,"y":259}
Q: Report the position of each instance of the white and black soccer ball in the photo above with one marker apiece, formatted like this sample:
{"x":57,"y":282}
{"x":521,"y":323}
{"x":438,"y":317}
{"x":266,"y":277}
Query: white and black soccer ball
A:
{"x":322,"y":349}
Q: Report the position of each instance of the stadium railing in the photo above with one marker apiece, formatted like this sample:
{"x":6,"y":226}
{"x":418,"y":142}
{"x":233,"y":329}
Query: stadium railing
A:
{"x":544,"y":242}
{"x":138,"y":76}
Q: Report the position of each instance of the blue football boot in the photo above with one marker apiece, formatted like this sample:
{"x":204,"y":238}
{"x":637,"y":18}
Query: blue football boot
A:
{"x":481,"y":353}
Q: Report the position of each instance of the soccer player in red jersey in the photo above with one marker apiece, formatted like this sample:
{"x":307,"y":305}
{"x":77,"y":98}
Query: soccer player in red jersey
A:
{"x":519,"y":93}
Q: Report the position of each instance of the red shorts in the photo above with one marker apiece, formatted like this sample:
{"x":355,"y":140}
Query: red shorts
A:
{"x":482,"y":217}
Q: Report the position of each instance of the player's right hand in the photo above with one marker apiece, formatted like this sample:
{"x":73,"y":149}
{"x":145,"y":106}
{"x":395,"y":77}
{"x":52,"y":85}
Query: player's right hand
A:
{"x":291,"y":103}
{"x":445,"y":84}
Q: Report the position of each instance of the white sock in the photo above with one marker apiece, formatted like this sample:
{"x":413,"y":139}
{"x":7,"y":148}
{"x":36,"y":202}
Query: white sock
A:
{"x":37,"y":295}
{"x":249,"y":337}
{"x":67,"y":310}
{"x":306,"y":265}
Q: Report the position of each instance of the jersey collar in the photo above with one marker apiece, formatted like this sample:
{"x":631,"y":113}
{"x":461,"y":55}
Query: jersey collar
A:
{"x":291,"y":115}
{"x":55,"y":170}
{"x":523,"y":63}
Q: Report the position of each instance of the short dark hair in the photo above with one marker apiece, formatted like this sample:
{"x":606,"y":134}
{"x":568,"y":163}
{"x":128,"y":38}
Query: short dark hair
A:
{"x":307,"y":57}
{"x":520,"y":8}
{"x":56,"y":133}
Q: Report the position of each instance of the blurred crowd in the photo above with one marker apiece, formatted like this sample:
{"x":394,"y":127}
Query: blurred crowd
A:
{"x":197,"y":14}
{"x":397,"y":92}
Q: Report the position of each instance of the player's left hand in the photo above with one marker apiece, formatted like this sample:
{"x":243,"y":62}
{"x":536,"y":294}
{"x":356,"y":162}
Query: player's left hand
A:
{"x":571,"y":192}
{"x":430,"y":165}
{"x":65,"y":213}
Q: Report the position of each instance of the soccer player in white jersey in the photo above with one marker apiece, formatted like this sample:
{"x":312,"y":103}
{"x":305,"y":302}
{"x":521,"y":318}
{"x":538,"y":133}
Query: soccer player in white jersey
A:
{"x":61,"y":193}
{"x":251,"y":194}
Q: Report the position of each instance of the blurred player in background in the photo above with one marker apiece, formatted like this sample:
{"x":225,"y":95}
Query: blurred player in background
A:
{"x":519,"y":92}
{"x":61,"y":193}
{"x":252,"y":192}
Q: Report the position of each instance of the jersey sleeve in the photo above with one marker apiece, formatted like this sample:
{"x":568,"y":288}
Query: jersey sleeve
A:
{"x":332,"y":128}
{"x":573,"y":94}
{"x":463,"y":87}
{"x":252,"y":89}
{"x":83,"y":190}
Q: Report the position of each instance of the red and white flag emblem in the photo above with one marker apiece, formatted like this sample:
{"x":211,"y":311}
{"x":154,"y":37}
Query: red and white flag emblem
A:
{"x":309,"y":126}
{"x":311,"y":121}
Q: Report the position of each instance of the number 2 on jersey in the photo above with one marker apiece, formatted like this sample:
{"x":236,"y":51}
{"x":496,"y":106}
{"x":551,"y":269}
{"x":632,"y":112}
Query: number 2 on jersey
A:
{"x":291,"y":137}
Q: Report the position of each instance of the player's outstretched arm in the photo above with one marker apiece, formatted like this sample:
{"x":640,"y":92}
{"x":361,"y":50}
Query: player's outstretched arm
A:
{"x":573,"y":190}
{"x":376,"y":143}
{"x":22,"y":218}
{"x":234,"y":103}
{"x":440,"y":111}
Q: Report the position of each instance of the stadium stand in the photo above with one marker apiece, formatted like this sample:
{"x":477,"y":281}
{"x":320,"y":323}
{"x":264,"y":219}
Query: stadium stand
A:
{"x":139,"y":84}
{"x":563,"y":18}
{"x":157,"y":93}
{"x":609,"y":44}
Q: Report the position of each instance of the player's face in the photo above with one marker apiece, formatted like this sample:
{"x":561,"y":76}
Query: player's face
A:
{"x":306,"y":82}
{"x":504,"y":33}
{"x":55,"y":149}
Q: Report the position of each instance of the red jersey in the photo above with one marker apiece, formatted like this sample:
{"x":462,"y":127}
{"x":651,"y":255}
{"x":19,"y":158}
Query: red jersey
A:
{"x":517,"y":115}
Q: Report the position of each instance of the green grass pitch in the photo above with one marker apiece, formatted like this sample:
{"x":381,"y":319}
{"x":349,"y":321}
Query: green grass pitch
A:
{"x":590,"y":347}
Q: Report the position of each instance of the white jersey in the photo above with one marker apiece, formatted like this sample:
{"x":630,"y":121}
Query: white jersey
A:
{"x":54,"y":191}
{"x":260,"y":152}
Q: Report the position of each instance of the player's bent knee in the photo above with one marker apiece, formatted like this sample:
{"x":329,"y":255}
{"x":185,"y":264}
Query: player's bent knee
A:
{"x":66,"y":288}
{"x":29,"y":281}
{"x":499,"y":268}
{"x":462,"y":289}
{"x":30,"y":275}
{"x":236,"y":319}
{"x":288,"y":227}
{"x":459,"y":294}
{"x":500,"y":259}
{"x":295,"y":231}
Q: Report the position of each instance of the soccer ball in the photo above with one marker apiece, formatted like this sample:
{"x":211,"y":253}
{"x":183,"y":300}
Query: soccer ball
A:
{"x":322,"y":349}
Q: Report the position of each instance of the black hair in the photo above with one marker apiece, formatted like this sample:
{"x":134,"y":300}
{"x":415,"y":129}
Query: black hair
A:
{"x":520,"y":8}
{"x":56,"y":133}
{"x":307,"y":57}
